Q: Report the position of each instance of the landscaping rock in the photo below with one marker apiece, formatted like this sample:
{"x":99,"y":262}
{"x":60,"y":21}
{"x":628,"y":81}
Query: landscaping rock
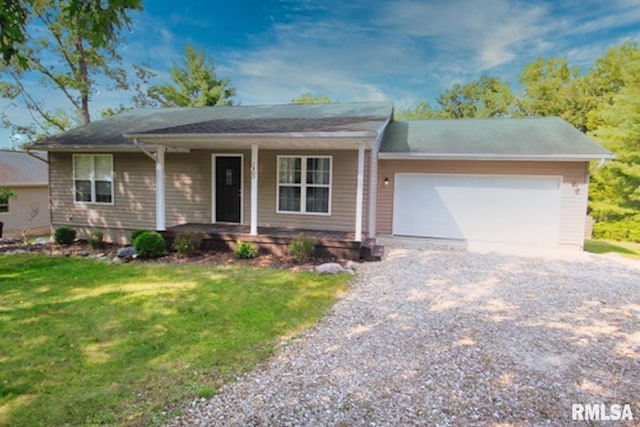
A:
{"x":127,"y":252}
{"x":40,"y":241}
{"x":329,"y":268}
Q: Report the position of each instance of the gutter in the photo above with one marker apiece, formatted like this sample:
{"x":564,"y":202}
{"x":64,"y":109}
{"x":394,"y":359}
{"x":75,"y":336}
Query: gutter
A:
{"x":343,"y":134}
{"x":494,"y":157}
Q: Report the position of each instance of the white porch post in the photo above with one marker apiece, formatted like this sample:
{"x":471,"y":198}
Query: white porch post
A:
{"x":160,"y":202}
{"x":254,"y":190}
{"x":360,"y":193}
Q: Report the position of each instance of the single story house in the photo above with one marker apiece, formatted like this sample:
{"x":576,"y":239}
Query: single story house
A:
{"x":345,"y":167}
{"x":27,"y":176}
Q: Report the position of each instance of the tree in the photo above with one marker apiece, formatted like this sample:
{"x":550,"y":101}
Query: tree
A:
{"x":77,"y":47}
{"x":102,"y":19}
{"x":310,"y":98}
{"x":553,"y":88}
{"x":615,"y":189}
{"x":195,"y":84}
{"x":421,"y":111}
{"x":484,"y":98}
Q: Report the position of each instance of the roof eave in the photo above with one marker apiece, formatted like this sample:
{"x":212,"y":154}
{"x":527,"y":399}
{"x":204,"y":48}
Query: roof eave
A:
{"x":85,"y":148}
{"x":494,"y":157}
{"x":186,"y":136}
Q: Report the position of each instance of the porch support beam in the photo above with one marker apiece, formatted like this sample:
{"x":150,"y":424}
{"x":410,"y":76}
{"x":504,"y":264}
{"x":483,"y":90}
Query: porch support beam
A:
{"x":160,"y":197}
{"x":254,"y":190}
{"x":359,"y":194}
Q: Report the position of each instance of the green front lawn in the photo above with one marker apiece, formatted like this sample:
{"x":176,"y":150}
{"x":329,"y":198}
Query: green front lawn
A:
{"x":83,"y":342}
{"x":628,"y":249}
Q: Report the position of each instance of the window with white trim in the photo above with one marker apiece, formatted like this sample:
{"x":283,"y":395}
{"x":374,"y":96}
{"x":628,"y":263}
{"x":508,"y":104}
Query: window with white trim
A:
{"x":93,"y":178}
{"x":304,"y":184}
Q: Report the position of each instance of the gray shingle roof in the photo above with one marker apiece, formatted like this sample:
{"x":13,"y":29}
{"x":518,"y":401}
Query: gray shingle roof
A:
{"x":366,"y":117}
{"x":19,"y":168}
{"x":490,"y":138}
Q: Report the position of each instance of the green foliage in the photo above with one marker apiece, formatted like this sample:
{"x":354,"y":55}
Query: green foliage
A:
{"x":69,"y":45}
{"x":548,"y":85}
{"x":96,"y":240}
{"x":149,"y":244}
{"x":6,"y":194}
{"x":301,"y":248}
{"x":187,"y":243}
{"x":119,"y":344}
{"x":626,"y":229}
{"x":64,"y":235}
{"x":485,"y":98}
{"x":136,"y":233}
{"x":194,"y":84}
{"x":421,"y":111}
{"x":246,"y":250}
{"x":310,"y":98}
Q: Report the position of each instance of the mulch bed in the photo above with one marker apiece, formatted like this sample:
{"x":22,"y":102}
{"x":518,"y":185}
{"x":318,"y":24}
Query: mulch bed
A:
{"x":82,"y":248}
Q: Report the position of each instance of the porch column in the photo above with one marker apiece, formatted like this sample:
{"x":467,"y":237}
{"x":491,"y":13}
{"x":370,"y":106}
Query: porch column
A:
{"x":359,"y":193}
{"x":160,"y":205}
{"x":254,"y":190}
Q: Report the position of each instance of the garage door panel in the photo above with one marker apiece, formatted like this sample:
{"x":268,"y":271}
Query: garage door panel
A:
{"x":476,"y":207}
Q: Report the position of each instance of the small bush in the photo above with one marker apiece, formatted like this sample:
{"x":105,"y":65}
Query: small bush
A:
{"x":302,"y":247}
{"x":64,"y":235}
{"x":188,"y":243}
{"x":246,"y":250}
{"x":627,"y":229}
{"x":136,"y":233}
{"x":96,"y":240}
{"x":149,"y":244}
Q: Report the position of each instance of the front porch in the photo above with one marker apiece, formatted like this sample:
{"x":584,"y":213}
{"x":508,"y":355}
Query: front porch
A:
{"x":275,"y":240}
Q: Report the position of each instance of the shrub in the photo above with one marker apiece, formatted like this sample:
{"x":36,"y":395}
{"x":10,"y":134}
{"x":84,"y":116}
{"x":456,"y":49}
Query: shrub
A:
{"x":627,"y":229}
{"x":64,"y":235}
{"x":245,"y":250}
{"x":96,"y":240}
{"x":188,"y":242}
{"x":302,"y":247}
{"x":136,"y":233}
{"x":149,"y":244}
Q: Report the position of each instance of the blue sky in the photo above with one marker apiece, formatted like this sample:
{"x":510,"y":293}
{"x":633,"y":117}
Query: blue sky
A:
{"x":371,"y":50}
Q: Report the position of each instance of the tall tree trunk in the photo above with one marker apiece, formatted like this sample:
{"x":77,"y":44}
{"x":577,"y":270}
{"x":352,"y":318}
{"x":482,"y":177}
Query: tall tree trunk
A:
{"x":84,"y":77}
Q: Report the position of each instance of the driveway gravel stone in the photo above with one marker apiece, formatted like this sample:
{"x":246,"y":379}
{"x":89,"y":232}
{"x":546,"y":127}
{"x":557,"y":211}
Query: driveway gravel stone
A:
{"x":440,"y":334}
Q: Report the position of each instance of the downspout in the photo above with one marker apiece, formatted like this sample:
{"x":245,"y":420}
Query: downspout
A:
{"x":359,"y":194}
{"x":598,"y":166}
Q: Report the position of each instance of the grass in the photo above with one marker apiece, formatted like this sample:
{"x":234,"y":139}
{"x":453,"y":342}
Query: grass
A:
{"x":628,"y":249}
{"x":86,"y":343}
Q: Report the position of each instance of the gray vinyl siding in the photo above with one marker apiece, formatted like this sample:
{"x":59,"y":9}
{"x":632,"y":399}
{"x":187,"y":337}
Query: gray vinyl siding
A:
{"x":575,"y":186}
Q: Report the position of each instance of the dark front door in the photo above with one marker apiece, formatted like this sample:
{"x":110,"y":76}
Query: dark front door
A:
{"x":228,"y":190}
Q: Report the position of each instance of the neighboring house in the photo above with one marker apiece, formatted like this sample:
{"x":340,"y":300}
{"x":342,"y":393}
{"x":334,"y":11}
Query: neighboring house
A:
{"x":343,"y":167}
{"x":27,"y":176}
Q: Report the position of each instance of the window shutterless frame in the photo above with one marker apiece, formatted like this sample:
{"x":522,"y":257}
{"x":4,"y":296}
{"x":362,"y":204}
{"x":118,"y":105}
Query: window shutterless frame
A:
{"x":92,"y":174}
{"x":310,"y":194}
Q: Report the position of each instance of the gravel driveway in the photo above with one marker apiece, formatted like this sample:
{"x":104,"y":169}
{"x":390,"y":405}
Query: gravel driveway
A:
{"x":439,"y":335}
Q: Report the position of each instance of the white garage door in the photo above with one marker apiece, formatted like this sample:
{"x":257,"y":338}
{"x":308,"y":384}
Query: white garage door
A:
{"x":513,"y":209}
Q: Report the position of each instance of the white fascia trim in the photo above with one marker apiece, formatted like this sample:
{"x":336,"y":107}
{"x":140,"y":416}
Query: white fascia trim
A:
{"x":341,"y":134}
{"x":98,"y":149}
{"x":502,"y":157}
